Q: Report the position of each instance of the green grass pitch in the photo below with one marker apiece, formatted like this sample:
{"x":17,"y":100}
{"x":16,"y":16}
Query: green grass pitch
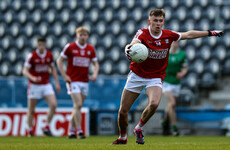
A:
{"x":104,"y":143}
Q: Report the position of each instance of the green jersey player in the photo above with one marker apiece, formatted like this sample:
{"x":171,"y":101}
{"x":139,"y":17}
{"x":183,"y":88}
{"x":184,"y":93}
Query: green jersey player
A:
{"x":177,"y":68}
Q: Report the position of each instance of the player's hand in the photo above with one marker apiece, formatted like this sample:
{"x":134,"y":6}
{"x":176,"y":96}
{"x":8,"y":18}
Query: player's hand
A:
{"x":93,"y":77}
{"x":36,"y":79}
{"x":215,"y":33}
{"x":67,"y":79}
{"x":58,"y":88}
{"x":179,"y":75}
{"x":127,"y":52}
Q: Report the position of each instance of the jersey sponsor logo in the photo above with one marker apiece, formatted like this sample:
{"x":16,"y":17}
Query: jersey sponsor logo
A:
{"x":158,"y":54}
{"x":41,"y":68}
{"x":88,"y":52}
{"x":81,"y":61}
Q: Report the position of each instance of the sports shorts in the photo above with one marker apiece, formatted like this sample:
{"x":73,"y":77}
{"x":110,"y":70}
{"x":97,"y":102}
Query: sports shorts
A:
{"x":174,"y":88}
{"x":37,"y":91}
{"x":78,"y":87}
{"x":136,"y":83}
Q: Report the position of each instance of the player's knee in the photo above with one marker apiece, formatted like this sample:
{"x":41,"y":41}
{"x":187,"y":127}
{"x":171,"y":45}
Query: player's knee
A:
{"x":123,"y":112}
{"x":153,"y":105}
{"x":173,"y":105}
{"x":54,"y":106}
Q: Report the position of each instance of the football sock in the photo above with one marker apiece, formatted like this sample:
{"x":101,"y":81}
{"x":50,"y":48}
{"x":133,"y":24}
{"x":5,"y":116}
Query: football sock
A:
{"x":123,"y":138}
{"x":175,"y":128}
{"x":72,"y":130}
{"x":47,"y":125}
{"x":30,"y":129}
{"x":140,"y":124}
{"x":79,"y":130}
{"x":123,"y":135}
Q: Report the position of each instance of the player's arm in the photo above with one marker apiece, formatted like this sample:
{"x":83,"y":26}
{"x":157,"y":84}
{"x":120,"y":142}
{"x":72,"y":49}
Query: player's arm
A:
{"x":183,"y":72}
{"x":193,"y":34}
{"x":27,"y":74}
{"x":93,"y":77}
{"x":60,"y":65}
{"x":55,"y":76}
{"x":128,"y":46}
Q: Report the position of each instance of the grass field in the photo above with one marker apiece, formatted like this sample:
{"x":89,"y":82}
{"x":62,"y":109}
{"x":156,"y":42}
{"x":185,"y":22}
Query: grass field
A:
{"x":104,"y":143}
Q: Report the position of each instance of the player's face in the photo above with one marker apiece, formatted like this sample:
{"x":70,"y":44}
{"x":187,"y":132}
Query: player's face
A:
{"x":82,"y":37}
{"x":41,"y":46}
{"x":156,"y":24}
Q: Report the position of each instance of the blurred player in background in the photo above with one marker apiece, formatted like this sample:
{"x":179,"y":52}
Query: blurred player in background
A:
{"x":176,"y":70}
{"x":79,"y":55}
{"x":151,"y":72}
{"x":37,"y":68}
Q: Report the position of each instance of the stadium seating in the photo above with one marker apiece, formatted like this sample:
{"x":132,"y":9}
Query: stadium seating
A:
{"x":112,"y":24}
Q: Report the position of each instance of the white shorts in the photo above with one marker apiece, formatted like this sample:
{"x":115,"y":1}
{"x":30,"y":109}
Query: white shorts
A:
{"x":136,"y":83}
{"x":78,"y":87}
{"x":175,"y":89}
{"x":36,"y":91}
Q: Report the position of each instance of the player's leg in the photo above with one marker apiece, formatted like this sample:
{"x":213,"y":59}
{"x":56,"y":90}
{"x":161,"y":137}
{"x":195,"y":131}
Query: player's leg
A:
{"x":132,"y":90}
{"x":30,"y":114}
{"x":171,"y":111}
{"x":75,"y":122}
{"x":78,"y":100}
{"x":33,"y":94}
{"x":127,"y":100}
{"x":168,"y":117}
{"x":49,"y":96}
{"x":166,"y":122}
{"x":154,"y":96}
{"x":52,"y":103}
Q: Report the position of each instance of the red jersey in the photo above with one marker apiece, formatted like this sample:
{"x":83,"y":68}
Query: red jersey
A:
{"x":78,"y":60}
{"x":39,"y":65}
{"x":155,"y":65}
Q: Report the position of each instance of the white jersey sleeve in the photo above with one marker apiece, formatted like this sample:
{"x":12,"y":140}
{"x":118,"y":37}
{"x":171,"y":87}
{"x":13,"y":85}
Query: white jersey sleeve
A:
{"x":27,"y":62}
{"x":63,"y":53}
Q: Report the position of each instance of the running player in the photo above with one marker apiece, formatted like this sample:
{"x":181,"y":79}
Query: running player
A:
{"x":37,"y":68}
{"x":79,"y":54}
{"x":151,"y":72}
{"x":176,"y":70}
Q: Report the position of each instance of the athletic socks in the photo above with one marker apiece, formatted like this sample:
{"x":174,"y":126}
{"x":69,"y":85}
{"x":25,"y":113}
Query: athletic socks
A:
{"x":140,"y":124}
{"x":79,"y":130}
{"x":123,"y":135}
{"x":30,"y":129}
{"x":175,"y":128}
{"x":72,"y":130}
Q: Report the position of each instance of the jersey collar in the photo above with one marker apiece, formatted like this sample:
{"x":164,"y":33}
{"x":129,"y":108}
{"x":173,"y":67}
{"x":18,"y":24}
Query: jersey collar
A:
{"x":41,"y":55}
{"x":79,"y":45}
{"x":156,"y":37}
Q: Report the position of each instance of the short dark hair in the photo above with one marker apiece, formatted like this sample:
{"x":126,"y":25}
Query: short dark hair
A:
{"x":157,"y":12}
{"x":41,"y":39}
